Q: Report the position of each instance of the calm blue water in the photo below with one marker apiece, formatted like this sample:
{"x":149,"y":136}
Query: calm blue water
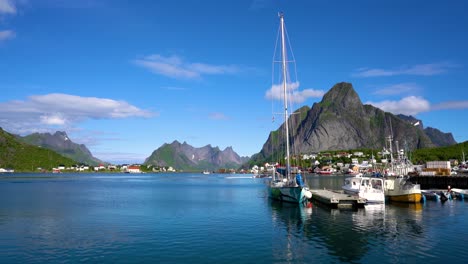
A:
{"x":196,"y":218}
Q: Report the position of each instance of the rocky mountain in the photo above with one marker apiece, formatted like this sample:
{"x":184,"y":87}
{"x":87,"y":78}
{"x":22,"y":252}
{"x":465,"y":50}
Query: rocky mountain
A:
{"x":61,"y":143}
{"x":182,"y":156}
{"x":20,"y":156}
{"x":341,"y":122}
{"x":439,"y":138}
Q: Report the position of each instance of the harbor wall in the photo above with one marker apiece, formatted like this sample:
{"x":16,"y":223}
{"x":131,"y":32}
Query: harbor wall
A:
{"x":441,"y":182}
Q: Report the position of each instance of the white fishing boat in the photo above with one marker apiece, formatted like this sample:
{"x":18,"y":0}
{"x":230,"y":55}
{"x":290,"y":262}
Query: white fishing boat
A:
{"x":369,"y":188}
{"x":283,"y":186}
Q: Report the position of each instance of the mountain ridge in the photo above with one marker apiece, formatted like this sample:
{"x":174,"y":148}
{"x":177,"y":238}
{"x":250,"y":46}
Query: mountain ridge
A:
{"x":62,"y":144}
{"x":340,"y":121}
{"x":21,"y":156}
{"x":182,"y":156}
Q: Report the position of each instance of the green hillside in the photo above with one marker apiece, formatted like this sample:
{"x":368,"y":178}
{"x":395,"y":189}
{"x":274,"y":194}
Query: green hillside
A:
{"x":24,"y":157}
{"x":440,"y":153}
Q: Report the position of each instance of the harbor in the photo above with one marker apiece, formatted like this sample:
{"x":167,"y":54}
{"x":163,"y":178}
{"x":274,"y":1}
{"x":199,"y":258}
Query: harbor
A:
{"x":197,"y":218}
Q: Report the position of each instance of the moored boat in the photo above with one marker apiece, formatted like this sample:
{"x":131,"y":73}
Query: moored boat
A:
{"x":369,"y":188}
{"x":283,"y":186}
{"x":400,"y":189}
{"x":430,"y":195}
{"x":460,"y":193}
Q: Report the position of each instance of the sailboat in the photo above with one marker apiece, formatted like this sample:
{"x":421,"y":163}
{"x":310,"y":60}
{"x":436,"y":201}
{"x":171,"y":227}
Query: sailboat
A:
{"x":283,"y":186}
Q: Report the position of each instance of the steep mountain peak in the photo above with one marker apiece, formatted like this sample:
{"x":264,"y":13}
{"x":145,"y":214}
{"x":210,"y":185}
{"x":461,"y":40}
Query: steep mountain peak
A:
{"x":62,"y":135}
{"x":340,"y":122}
{"x":228,"y":149}
{"x":176,"y":142}
{"x":342,"y":95}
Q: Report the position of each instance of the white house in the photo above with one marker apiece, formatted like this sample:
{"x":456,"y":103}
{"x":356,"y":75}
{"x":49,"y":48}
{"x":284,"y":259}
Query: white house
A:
{"x":134,"y":169}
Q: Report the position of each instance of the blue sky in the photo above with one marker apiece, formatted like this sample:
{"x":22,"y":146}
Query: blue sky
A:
{"x":125,"y":77}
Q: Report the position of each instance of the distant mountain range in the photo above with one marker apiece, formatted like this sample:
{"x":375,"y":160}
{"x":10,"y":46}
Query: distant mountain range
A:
{"x":341,"y":122}
{"x":62,"y":144}
{"x":182,"y":156}
{"x":338,"y":122}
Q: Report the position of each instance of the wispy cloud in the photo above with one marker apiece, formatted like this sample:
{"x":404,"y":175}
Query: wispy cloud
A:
{"x":413,"y":105}
{"x":40,"y":112}
{"x":7,"y":7}
{"x":176,"y":67}
{"x":396,"y":89}
{"x":419,"y":69}
{"x":7,"y":34}
{"x":276,"y":93}
{"x":218,"y":116}
{"x":451,"y":105}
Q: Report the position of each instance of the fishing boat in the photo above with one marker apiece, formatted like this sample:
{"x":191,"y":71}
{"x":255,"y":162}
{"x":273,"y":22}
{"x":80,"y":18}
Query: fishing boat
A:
{"x":283,"y":186}
{"x":398,"y":187}
{"x":369,"y":188}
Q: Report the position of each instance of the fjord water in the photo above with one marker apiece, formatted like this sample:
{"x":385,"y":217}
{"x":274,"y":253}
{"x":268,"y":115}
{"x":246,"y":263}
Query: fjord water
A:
{"x":217,"y":218}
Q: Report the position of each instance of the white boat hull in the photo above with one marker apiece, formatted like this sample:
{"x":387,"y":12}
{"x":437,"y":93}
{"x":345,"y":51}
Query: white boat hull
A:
{"x":371,"y":197}
{"x":365,"y":187}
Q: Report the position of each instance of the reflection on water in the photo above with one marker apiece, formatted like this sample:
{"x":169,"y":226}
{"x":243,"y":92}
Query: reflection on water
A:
{"x":178,"y":218}
{"x":347,"y":235}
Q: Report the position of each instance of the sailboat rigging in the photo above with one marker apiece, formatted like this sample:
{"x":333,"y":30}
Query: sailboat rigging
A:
{"x":287,"y":189}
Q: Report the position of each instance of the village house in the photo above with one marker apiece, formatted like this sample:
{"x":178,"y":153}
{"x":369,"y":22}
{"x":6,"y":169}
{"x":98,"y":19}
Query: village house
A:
{"x":134,"y":169}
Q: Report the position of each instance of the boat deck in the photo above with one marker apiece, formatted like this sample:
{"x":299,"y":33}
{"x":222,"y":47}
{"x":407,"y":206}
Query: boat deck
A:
{"x":337,"y":199}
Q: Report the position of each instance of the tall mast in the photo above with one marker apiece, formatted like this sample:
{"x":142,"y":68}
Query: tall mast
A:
{"x":390,"y":139}
{"x":285,"y":93}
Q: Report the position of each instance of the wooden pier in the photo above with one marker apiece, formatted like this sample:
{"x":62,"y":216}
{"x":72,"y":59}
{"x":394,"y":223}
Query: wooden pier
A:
{"x":337,"y":199}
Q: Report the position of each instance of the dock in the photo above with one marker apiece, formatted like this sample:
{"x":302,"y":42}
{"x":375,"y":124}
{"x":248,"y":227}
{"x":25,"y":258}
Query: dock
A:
{"x":336,"y":199}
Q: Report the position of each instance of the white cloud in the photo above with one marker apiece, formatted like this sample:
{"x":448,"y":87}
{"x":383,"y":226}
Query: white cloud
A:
{"x":40,"y":112}
{"x":411,"y":105}
{"x":419,"y":69}
{"x":401,"y":88}
{"x":451,"y":105}
{"x":54,"y":119}
{"x":276,"y":93}
{"x":7,"y":34}
{"x":7,"y":7}
{"x":176,"y":67}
